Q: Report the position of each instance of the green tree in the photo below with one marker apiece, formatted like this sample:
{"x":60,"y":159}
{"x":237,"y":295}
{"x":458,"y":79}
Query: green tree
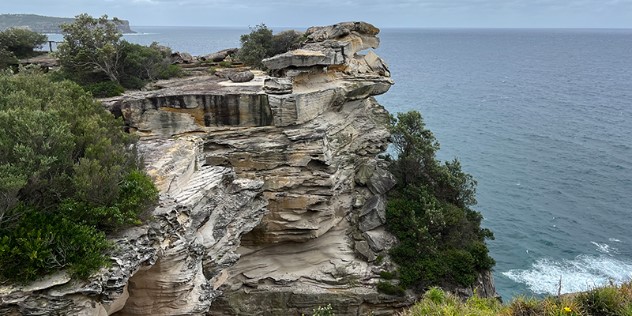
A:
{"x":440,"y":238}
{"x":18,"y":43}
{"x":21,"y":42}
{"x":260,"y":43}
{"x":143,"y":63}
{"x":255,"y":46}
{"x":94,"y":53}
{"x":68,"y":175}
{"x":91,"y":45}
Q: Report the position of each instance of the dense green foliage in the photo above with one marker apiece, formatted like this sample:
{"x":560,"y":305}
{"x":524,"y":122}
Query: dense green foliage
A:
{"x":261,"y":44}
{"x":68,"y":174}
{"x":93,"y":52}
{"x":18,"y":43}
{"x":609,"y":300}
{"x":440,"y":239}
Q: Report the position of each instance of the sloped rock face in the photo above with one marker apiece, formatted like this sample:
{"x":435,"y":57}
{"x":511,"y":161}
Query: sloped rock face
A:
{"x":173,"y":265}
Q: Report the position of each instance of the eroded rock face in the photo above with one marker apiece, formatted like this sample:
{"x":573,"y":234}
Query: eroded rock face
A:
{"x":273,"y":195}
{"x":174,"y":264}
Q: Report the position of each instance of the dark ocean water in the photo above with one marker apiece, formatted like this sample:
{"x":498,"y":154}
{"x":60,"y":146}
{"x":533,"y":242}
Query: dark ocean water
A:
{"x":541,"y":118}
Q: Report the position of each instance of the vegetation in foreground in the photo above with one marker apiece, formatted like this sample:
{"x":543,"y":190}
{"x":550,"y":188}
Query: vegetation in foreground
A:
{"x":441,"y":242}
{"x":69,"y":175}
{"x":604,"y":301}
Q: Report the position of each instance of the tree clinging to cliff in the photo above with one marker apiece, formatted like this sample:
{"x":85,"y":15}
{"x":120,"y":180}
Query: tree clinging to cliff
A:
{"x":440,"y":238}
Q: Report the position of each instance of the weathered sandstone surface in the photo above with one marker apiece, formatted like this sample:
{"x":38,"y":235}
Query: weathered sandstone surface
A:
{"x":273,"y":195}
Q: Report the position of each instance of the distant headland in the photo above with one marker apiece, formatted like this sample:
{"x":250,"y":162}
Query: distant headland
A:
{"x":44,"y":24}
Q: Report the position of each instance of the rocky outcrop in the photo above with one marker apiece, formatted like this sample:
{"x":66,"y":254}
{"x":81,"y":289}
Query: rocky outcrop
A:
{"x":273,"y":195}
{"x":220,"y":55}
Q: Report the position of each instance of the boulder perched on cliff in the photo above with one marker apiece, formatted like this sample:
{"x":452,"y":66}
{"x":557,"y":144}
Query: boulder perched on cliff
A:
{"x":220,"y":55}
{"x":182,"y":58}
{"x":242,"y":76}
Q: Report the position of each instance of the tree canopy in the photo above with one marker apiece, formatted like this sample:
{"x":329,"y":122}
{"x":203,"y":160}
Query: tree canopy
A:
{"x":68,"y":175}
{"x":440,"y":238}
{"x":93,"y":53}
{"x":260,"y":43}
{"x":18,"y":43}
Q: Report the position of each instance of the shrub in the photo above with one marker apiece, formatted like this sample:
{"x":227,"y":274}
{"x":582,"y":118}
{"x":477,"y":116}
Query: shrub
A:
{"x":42,"y":243}
{"x":390,"y":289}
{"x":93,"y":51}
{"x":21,"y":42}
{"x":440,"y":239}
{"x":387,"y":275}
{"x":104,"y":89}
{"x":261,"y":44}
{"x":324,"y":311}
{"x":606,"y":301}
{"x":68,"y":174}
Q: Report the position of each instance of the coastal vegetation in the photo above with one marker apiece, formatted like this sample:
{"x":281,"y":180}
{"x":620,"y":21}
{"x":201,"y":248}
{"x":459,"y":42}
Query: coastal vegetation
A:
{"x":441,"y":242}
{"x":612,"y":300}
{"x":94,"y":55}
{"x":16,"y":43}
{"x":69,"y":175}
{"x":261,"y":43}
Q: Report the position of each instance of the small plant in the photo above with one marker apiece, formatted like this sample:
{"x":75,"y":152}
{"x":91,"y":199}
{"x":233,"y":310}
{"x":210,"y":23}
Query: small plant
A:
{"x":388,"y":275}
{"x":390,"y":289}
{"x":324,"y":311}
{"x":105,"y":89}
{"x":605,"y":301}
{"x":379,"y":260}
{"x":225,"y":64}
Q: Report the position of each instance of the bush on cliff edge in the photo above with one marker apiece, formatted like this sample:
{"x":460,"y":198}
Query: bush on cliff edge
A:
{"x":94,"y":55}
{"x":69,"y":174}
{"x":440,"y":238}
{"x":261,"y":44}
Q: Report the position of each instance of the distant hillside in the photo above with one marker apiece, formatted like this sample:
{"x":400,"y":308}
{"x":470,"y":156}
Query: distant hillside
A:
{"x":43,"y":24}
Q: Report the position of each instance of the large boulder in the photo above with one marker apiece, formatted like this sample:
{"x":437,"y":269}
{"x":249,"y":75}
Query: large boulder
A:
{"x":182,"y":58}
{"x":242,"y":76}
{"x":220,"y":55}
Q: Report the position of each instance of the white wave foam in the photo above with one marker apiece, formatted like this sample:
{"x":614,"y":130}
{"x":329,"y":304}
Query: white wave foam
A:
{"x":580,"y":274}
{"x":605,"y":248}
{"x":614,"y":240}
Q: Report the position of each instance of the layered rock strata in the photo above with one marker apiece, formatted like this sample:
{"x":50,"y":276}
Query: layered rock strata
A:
{"x":175,"y":263}
{"x":273,"y":195}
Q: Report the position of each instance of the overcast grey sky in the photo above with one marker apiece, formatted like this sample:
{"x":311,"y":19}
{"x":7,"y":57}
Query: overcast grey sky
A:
{"x":382,"y":13}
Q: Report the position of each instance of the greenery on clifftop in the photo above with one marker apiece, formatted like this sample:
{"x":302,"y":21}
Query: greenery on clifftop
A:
{"x":69,"y":175}
{"x":261,"y":44}
{"x":441,"y":242}
{"x":605,"y":301}
{"x":94,"y":55}
{"x":18,"y":43}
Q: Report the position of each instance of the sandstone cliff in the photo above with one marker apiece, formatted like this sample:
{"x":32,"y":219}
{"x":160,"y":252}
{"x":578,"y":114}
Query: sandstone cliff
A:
{"x":272,"y":194}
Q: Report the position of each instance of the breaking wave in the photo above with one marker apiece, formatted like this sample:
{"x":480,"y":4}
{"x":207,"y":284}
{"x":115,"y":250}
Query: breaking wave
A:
{"x":579,"y":274}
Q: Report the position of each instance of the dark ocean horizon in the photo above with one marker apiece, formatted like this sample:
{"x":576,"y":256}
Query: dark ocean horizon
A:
{"x":542,"y":118}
